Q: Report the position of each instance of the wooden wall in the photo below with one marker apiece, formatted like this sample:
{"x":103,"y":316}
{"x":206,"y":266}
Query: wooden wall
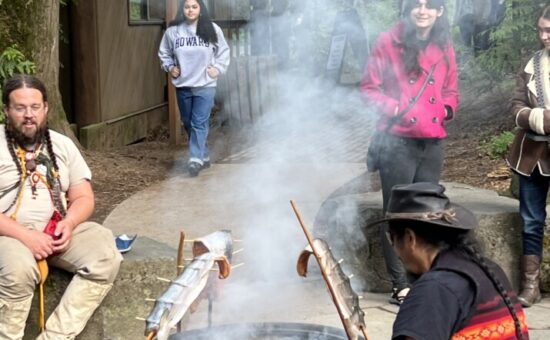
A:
{"x":248,"y":89}
{"x":118,"y":86}
{"x":130,"y":76}
{"x":117,"y":75}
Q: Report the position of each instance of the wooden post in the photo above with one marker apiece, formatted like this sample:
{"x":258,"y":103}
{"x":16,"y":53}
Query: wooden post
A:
{"x":174,"y":121}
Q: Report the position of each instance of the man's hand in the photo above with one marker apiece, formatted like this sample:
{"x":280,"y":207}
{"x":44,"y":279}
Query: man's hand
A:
{"x":40,"y":244}
{"x":212,"y":72}
{"x":65,"y":231}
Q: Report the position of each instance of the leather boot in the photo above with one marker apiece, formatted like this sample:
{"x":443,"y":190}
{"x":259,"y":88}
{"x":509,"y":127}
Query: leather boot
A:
{"x":13,"y":316}
{"x":530,"y":280}
{"x":78,"y":303}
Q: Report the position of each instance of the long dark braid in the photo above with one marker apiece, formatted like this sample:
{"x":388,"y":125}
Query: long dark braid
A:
{"x":472,"y":251}
{"x":56,"y":185}
{"x":49,"y":147}
{"x":464,"y":243}
{"x":11,"y":147}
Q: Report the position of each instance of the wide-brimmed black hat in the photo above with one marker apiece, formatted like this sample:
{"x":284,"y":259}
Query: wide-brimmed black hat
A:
{"x":426,"y":202}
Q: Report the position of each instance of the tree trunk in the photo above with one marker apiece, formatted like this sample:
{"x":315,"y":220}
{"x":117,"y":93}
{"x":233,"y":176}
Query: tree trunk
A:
{"x":45,"y":49}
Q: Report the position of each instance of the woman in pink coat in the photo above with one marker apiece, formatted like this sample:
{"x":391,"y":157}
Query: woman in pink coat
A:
{"x":410,"y":81}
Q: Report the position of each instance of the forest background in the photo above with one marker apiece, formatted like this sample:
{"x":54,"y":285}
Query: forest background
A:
{"x":30,"y":36}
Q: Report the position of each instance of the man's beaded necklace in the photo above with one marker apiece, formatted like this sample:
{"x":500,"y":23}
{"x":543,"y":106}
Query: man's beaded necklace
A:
{"x":37,"y":166}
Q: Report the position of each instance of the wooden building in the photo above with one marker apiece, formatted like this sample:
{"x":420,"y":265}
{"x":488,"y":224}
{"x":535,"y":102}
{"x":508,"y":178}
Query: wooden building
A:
{"x":113,"y":87}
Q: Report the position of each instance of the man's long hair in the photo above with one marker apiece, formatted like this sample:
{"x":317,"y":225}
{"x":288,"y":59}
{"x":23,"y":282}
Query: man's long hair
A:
{"x":205,"y":28}
{"x":18,"y":81}
{"x":462,"y":242}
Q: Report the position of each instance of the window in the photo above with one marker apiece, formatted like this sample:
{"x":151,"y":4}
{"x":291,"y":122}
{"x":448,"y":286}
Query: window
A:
{"x":146,"y":12}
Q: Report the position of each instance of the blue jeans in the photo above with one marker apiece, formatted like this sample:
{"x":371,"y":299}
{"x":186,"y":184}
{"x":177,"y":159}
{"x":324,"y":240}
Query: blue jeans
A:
{"x":532,"y":208}
{"x":195,"y":104}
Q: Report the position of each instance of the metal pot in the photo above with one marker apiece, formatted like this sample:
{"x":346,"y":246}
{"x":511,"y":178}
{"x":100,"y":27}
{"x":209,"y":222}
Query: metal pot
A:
{"x":264,"y":331}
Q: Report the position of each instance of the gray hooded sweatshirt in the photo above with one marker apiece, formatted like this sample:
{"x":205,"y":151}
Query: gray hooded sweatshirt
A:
{"x":180,"y":46}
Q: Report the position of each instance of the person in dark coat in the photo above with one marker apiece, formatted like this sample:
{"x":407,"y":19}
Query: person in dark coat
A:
{"x":459,"y":293}
{"x":529,"y":157}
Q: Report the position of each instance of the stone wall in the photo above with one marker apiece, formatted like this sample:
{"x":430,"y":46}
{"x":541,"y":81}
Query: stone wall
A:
{"x":137,"y":280}
{"x":342,"y":220}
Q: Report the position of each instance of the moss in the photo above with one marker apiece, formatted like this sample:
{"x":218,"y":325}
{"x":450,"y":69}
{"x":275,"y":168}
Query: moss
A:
{"x":546,"y":243}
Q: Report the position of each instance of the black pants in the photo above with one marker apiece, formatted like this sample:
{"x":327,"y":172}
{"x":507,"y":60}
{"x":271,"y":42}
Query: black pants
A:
{"x":405,"y":161}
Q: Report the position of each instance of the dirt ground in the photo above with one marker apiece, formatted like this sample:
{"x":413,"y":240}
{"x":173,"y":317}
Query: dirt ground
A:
{"x":119,"y":173}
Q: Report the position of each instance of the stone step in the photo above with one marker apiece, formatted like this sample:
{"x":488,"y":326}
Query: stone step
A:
{"x":342,"y":220}
{"x":137,"y":280}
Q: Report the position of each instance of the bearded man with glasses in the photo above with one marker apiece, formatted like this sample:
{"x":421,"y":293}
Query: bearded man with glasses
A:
{"x":45,"y":199}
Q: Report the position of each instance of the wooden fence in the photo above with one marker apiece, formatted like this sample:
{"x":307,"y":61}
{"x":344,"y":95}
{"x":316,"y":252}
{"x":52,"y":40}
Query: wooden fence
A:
{"x":247,"y":90}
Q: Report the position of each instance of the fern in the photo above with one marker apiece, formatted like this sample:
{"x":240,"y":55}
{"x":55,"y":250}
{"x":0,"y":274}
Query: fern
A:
{"x":13,"y":61}
{"x":514,"y":39}
{"x":497,"y":146}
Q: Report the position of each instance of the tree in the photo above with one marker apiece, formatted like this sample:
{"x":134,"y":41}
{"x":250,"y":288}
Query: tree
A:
{"x":515,"y":39}
{"x":34,"y":26}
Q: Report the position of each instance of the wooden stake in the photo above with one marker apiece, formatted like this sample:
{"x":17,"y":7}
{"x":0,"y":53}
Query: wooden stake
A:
{"x":163,"y":279}
{"x":179,"y":259}
{"x":179,"y":266}
{"x":151,"y":335}
{"x":237,"y":265}
{"x":43,"y":269}
{"x":174,"y":121}
{"x":365,"y":335}
{"x":323,"y":272}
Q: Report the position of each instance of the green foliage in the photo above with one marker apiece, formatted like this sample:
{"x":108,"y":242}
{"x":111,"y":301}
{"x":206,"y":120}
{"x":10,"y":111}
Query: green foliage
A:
{"x":16,"y":18}
{"x":317,"y":24}
{"x":514,"y":39}
{"x":378,"y":16}
{"x":497,"y":146}
{"x":13,"y":61}
{"x":135,"y":10}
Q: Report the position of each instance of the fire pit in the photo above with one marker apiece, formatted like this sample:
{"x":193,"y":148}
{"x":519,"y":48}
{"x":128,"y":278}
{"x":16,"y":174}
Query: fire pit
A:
{"x":217,"y":248}
{"x":264,"y":331}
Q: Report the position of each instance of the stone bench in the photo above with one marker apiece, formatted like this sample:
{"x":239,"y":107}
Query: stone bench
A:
{"x":343,"y":217}
{"x":137,"y":280}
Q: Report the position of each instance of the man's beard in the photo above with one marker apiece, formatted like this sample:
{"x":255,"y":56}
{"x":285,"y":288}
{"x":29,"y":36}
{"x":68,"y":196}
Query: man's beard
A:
{"x":27,"y":141}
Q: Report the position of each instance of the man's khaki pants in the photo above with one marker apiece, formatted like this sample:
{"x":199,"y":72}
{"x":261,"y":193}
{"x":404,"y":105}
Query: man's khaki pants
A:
{"x":93,"y":258}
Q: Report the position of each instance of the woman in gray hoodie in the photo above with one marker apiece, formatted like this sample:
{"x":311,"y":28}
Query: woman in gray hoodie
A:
{"x":194,"y":51}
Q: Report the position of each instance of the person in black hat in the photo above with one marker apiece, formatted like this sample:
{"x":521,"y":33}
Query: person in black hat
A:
{"x":459,"y":293}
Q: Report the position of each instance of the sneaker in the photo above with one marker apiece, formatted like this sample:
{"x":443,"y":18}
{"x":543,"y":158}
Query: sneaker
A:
{"x":398,"y":296}
{"x":124,"y":242}
{"x":194,"y":168}
{"x":205,"y":164}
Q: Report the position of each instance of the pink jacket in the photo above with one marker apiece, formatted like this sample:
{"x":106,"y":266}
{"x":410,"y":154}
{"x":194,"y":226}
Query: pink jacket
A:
{"x":388,"y":87}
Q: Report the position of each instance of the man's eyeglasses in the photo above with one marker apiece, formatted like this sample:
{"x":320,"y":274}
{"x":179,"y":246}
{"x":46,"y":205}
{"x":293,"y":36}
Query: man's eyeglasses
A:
{"x":22,"y":109}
